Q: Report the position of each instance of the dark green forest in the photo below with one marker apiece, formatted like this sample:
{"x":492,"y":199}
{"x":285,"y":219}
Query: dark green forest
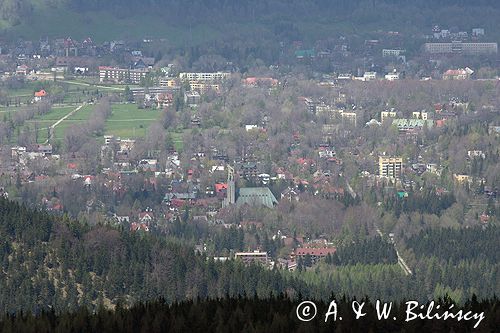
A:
{"x":370,"y":251}
{"x":55,"y":263}
{"x":213,"y":20}
{"x":245,"y":314}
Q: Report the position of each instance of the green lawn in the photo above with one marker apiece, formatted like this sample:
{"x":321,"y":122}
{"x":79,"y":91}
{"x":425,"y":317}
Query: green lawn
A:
{"x":82,"y":114}
{"x":57,"y":113}
{"x":128,"y":121}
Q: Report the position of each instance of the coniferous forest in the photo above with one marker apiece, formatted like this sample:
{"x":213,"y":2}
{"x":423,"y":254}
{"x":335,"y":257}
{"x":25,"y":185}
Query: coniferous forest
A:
{"x":58,"y":264}
{"x":244,"y":314}
{"x":213,"y":165}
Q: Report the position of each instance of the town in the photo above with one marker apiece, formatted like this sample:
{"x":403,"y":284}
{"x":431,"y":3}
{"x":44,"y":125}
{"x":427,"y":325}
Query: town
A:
{"x":277,"y":163}
{"x":249,"y":166}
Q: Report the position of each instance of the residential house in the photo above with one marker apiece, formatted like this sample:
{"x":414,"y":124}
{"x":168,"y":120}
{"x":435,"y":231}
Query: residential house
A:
{"x":192,"y":98}
{"x":22,"y":70}
{"x":40,"y":95}
{"x":134,"y":226}
{"x":121,"y":219}
{"x":164,"y":100}
{"x":45,"y":150}
{"x":392,"y":76}
{"x":258,"y":81}
{"x":476,"y":153}
{"x":462,"y":179}
{"x":148,"y":165}
{"x":146,"y":217}
{"x":290,"y":194}
{"x":369,"y":76}
{"x":246,"y":224}
{"x":458,"y":74}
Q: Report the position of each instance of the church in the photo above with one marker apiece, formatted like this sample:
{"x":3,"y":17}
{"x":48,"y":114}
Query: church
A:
{"x":252,"y":196}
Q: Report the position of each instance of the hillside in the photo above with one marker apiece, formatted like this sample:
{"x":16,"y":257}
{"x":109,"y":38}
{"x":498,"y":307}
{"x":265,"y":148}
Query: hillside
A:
{"x":62,"y":264}
{"x":209,"y":20}
{"x":54,"y":263}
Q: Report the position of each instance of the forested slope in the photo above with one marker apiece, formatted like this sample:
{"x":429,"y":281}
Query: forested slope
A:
{"x":206,"y":20}
{"x":56,"y":263}
{"x":50,"y":262}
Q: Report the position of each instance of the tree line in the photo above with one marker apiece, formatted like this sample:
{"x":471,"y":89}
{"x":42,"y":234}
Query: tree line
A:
{"x":245,"y":314}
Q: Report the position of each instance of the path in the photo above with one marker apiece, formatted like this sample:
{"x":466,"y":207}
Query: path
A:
{"x":351,"y":191}
{"x":120,"y":120}
{"x":51,"y":128}
{"x":401,"y":261}
{"x":92,"y":85}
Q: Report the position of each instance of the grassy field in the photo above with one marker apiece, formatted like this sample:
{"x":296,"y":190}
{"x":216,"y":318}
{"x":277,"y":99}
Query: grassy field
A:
{"x":128,"y":121}
{"x":43,"y":122}
{"x":177,"y":139}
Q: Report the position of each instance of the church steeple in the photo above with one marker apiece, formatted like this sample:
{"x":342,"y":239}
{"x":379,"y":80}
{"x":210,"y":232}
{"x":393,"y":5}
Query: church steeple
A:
{"x":231,"y":188}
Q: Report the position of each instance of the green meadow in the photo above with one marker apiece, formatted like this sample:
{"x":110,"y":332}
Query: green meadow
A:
{"x":128,"y":121}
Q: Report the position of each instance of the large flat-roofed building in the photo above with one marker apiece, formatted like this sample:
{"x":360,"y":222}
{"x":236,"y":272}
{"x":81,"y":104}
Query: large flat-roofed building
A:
{"x":249,"y":257}
{"x":349,"y":118}
{"x":315,"y":253}
{"x":141,"y":91}
{"x":215,"y":76}
{"x":461,"y":48}
{"x":390,"y":167}
{"x":407,"y":125}
{"x":114,"y":74}
{"x":392,"y":52}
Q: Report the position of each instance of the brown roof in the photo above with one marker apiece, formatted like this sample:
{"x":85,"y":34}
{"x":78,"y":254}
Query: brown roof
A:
{"x":318,"y":252}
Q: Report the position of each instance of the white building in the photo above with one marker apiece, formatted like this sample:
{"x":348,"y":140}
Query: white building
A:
{"x":392,"y":76}
{"x":392,"y":52}
{"x":113,"y":74}
{"x":461,"y":47}
{"x":215,"y":76}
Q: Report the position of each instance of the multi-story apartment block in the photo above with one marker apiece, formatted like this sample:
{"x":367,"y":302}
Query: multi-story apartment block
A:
{"x":391,"y":167}
{"x":203,"y":87}
{"x":114,"y":74}
{"x":387,"y":114}
{"x":461,"y":47}
{"x":215,"y":76}
{"x":249,"y":257}
{"x":349,"y":118}
{"x":420,"y":115}
{"x":392,"y":52}
{"x":168,"y":82}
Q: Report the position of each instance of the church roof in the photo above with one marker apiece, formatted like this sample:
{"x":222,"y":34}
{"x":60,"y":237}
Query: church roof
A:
{"x":256,"y":196}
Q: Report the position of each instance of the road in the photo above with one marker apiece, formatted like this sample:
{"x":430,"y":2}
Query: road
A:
{"x":51,"y":128}
{"x":349,"y":188}
{"x":401,"y":261}
{"x":92,"y":85}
